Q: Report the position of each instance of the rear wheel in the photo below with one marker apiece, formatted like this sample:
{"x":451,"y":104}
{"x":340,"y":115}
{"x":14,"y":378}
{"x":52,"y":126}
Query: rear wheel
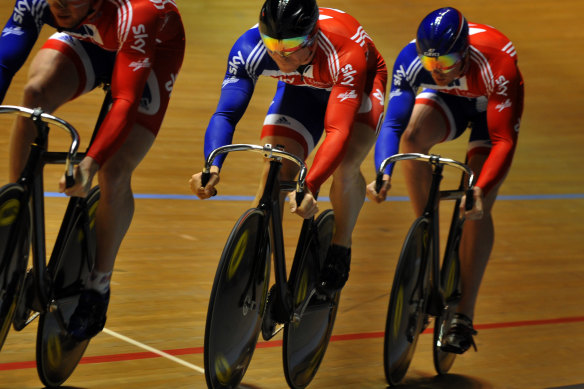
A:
{"x":407,"y":303}
{"x":57,"y":352}
{"x":14,"y":247}
{"x":307,"y":336}
{"x":237,"y":302}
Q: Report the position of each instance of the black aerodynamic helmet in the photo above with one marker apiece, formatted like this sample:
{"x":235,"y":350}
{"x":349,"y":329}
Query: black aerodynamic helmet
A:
{"x":284,"y":19}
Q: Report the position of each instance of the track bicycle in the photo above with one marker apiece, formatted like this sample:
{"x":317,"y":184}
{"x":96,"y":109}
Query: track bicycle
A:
{"x":241,"y":304}
{"x":48,"y":290}
{"x":422,"y":286}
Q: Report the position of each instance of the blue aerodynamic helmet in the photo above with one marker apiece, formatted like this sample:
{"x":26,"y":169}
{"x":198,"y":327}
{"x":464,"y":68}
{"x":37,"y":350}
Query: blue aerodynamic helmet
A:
{"x":442,"y":32}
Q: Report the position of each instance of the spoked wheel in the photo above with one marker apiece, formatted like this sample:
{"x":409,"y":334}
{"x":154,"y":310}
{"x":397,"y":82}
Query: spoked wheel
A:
{"x":57,"y":353}
{"x":237,"y":302}
{"x":307,"y":336}
{"x":14,"y":242}
{"x":450,"y":284}
{"x":407,"y":303}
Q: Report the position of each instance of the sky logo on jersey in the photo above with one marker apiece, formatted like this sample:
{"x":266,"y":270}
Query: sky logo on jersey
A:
{"x":352,"y":94}
{"x":12,"y":31}
{"x":502,"y":83}
{"x":234,"y":63}
{"x":137,"y":65}
{"x":139,"y":38}
{"x":348,"y":73}
{"x":20,"y":9}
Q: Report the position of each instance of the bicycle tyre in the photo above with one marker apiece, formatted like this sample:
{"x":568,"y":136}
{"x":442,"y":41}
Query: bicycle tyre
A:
{"x":450,"y":285}
{"x":14,"y":247}
{"x":235,"y":311}
{"x":305,"y":341}
{"x":407,"y":303}
{"x":58,"y":353}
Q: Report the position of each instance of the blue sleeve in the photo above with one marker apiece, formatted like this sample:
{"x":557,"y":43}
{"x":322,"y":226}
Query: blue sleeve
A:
{"x":236,"y":92}
{"x":18,"y":38}
{"x":401,"y":102}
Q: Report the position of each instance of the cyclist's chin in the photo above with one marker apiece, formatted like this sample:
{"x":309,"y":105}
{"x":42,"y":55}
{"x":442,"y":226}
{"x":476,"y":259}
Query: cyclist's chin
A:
{"x":67,"y":21}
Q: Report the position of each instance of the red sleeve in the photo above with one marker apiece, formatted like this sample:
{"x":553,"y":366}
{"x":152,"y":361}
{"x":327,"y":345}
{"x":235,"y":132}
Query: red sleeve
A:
{"x":504,"y":111}
{"x":343,"y":104}
{"x":131,"y":70}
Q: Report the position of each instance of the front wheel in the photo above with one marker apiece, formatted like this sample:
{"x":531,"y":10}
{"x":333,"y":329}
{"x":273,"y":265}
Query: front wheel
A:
{"x":407,"y":304}
{"x":14,"y":246}
{"x":237,"y":301}
{"x":71,"y":263}
{"x":307,"y":336}
{"x":450,"y":285}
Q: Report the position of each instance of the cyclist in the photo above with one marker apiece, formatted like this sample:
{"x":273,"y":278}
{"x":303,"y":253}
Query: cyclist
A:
{"x":472,"y":80}
{"x":135,"y":45}
{"x":331,"y":78}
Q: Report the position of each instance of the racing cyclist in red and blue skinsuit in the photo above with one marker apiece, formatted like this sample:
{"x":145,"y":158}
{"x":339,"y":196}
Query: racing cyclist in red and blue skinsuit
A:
{"x":331,"y":78}
{"x":137,"y":46}
{"x":469,"y":78}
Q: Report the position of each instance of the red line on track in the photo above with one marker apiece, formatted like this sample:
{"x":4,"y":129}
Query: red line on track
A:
{"x":278,"y":343}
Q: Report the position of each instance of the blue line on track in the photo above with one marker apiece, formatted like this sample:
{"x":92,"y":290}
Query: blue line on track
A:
{"x":559,"y":196}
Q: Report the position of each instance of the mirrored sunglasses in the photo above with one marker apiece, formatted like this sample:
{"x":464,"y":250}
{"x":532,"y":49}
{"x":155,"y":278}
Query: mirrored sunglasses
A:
{"x":287,"y":46}
{"x":443,"y":64}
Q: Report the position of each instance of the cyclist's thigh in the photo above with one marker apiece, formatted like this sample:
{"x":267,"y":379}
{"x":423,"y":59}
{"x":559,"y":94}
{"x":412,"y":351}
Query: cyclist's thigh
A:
{"x":479,"y":142}
{"x":157,"y":91}
{"x":296,"y":113}
{"x":117,"y":169}
{"x":437,"y":117}
{"x":71,"y":67}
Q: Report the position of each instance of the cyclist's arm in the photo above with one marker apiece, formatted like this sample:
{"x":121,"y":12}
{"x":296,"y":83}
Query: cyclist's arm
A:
{"x":16,"y":42}
{"x":402,"y":97}
{"x":236,"y":92}
{"x":503,"y":118}
{"x":343,"y":105}
{"x":235,"y":96}
{"x":130,"y":73}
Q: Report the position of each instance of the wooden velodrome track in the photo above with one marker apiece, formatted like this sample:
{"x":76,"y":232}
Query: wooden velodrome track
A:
{"x":530,"y":313}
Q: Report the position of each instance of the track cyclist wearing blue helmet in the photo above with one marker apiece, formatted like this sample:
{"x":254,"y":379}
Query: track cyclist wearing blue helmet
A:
{"x":468,"y":77}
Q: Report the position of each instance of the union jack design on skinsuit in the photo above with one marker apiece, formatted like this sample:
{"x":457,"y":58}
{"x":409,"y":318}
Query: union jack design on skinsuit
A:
{"x":345,"y":62}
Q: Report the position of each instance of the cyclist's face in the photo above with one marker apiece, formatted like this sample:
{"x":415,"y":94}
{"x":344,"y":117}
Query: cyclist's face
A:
{"x":291,"y":62}
{"x":69,"y":13}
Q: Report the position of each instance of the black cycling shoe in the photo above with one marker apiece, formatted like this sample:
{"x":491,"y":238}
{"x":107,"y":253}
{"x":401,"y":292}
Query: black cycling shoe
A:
{"x":89,"y":317}
{"x":460,"y":335}
{"x":335,"y":271}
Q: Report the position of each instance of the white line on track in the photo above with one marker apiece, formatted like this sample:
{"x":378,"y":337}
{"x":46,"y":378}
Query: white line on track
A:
{"x":155,"y":351}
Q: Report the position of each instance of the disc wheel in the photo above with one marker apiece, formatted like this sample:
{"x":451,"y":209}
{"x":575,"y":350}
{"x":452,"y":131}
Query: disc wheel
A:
{"x":307,"y":336}
{"x":14,"y":246}
{"x":57,"y":352}
{"x":237,"y":302}
{"x":407,"y":303}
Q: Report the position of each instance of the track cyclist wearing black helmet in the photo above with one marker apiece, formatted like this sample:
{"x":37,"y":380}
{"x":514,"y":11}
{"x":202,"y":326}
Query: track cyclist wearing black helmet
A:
{"x":331,"y":79}
{"x":472,"y":80}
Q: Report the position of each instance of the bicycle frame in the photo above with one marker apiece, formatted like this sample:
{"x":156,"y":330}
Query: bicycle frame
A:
{"x":270,"y":204}
{"x":431,"y":211}
{"x":32,"y":180}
